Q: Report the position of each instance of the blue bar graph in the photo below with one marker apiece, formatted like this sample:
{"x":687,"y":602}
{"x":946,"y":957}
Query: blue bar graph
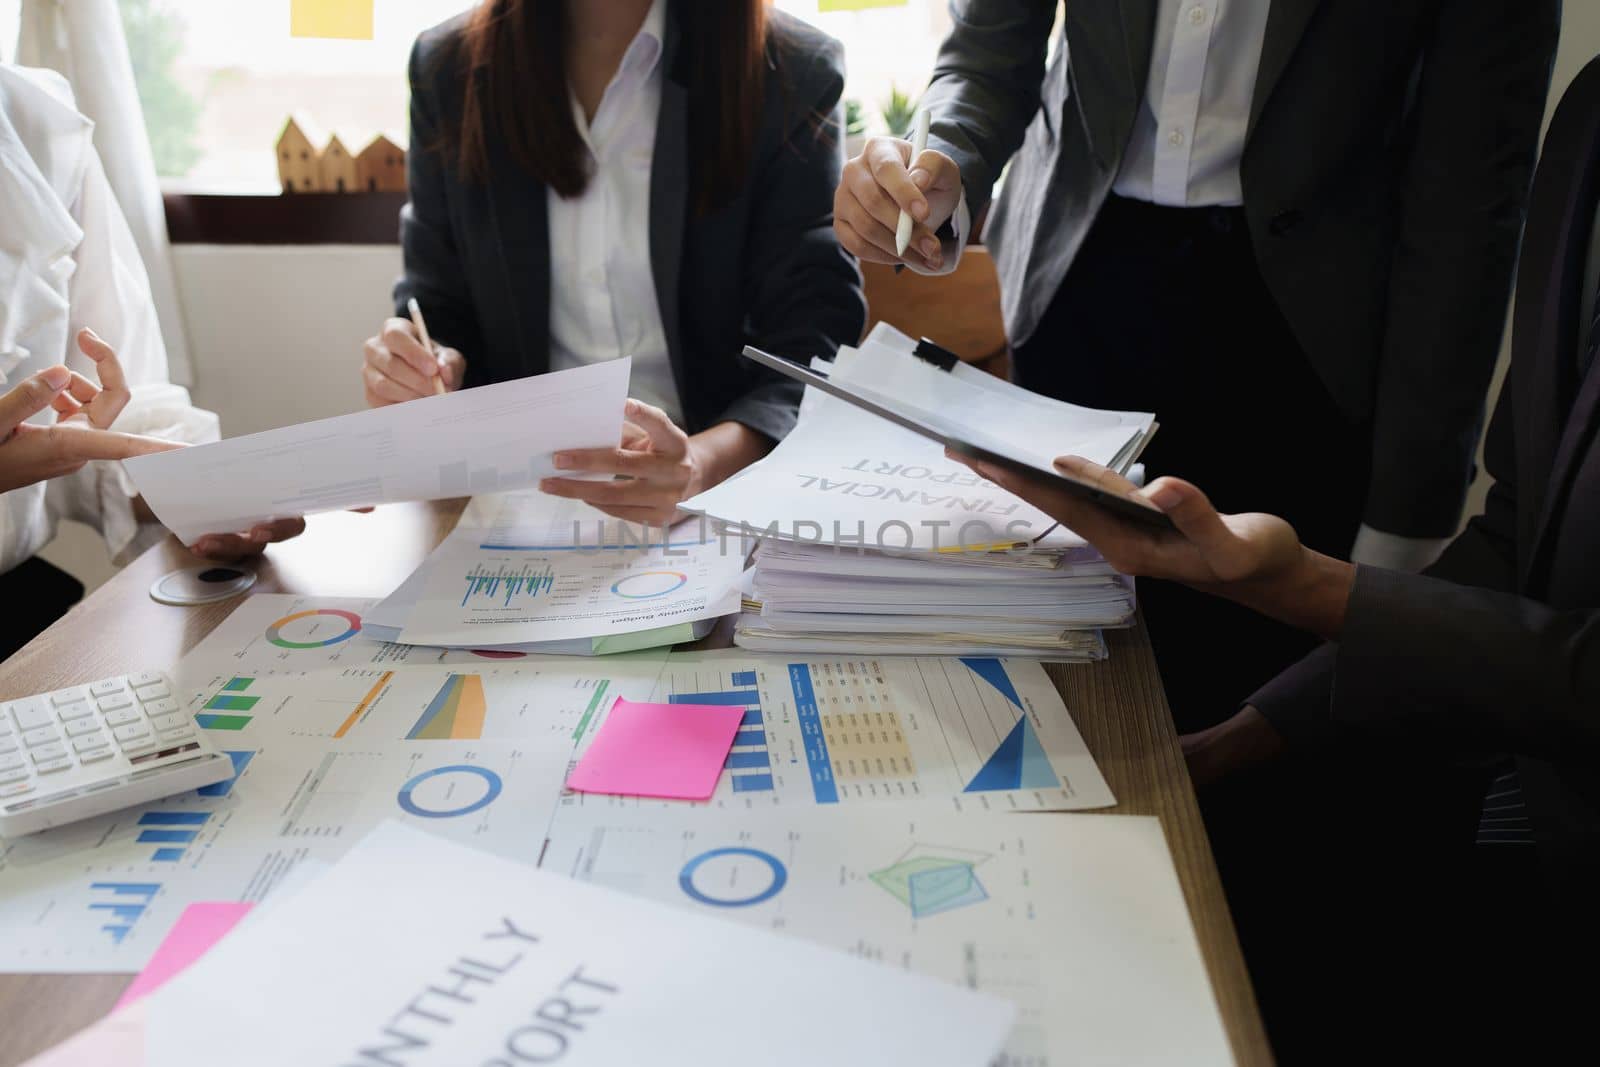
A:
{"x":168,"y":855}
{"x":129,"y":889}
{"x":731,"y":697}
{"x":173,"y":818}
{"x":753,"y":739}
{"x":167,"y":837}
{"x":127,"y":912}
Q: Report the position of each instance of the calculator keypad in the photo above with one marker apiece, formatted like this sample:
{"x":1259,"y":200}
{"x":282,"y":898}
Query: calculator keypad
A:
{"x":84,"y":725}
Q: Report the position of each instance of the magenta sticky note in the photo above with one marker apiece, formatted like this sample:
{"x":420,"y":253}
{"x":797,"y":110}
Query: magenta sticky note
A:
{"x":197,"y":929}
{"x":658,"y":750}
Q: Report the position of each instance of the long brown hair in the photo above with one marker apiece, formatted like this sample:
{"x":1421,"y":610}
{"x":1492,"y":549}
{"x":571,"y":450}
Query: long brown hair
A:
{"x":516,"y":89}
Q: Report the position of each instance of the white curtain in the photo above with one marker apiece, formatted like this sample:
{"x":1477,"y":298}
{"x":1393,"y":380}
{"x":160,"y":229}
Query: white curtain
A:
{"x":83,"y":40}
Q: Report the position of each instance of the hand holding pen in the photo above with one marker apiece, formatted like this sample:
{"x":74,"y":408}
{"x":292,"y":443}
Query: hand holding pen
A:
{"x":892,"y":187}
{"x":403,"y":362}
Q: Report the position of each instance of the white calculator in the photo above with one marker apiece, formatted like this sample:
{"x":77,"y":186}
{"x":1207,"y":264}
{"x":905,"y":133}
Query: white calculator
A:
{"x":90,"y":749}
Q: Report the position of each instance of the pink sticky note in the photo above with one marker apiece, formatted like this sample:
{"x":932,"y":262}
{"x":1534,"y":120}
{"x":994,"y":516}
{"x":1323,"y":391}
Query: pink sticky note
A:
{"x":658,"y":750}
{"x":197,"y":929}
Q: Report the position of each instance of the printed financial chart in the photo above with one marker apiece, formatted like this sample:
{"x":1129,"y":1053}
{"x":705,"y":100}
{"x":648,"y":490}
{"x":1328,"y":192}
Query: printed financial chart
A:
{"x":988,"y":734}
{"x":946,"y":895}
{"x":330,"y":733}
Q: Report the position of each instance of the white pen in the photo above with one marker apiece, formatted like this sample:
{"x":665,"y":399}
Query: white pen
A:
{"x":427,"y":342}
{"x":919,"y":141}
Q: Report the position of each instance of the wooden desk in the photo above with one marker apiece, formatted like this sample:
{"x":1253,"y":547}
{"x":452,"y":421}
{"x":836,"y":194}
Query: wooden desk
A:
{"x":1118,"y":705}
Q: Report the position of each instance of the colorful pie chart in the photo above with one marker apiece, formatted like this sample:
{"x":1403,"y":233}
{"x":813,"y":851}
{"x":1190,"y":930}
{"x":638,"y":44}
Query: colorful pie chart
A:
{"x":316,"y":634}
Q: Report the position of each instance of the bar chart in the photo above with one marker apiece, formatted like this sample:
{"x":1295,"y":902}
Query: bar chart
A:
{"x":509,"y":583}
{"x":172,"y":831}
{"x":126,"y":904}
{"x":749,"y":763}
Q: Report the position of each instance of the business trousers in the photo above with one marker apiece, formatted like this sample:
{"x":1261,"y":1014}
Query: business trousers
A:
{"x":1165,"y":310}
{"x":1332,"y":862}
{"x":35,"y":594}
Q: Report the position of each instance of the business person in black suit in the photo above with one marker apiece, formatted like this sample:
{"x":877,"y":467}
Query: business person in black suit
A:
{"x":650,"y":178}
{"x":1492,"y":653}
{"x":1288,"y":228}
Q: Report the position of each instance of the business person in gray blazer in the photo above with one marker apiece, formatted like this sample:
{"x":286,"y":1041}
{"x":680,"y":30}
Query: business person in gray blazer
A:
{"x":650,"y":178}
{"x":1492,"y":653}
{"x":1288,"y":228}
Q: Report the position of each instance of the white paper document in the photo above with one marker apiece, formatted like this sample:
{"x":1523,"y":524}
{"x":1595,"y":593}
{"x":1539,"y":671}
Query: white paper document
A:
{"x":482,"y":440}
{"x":524,"y":567}
{"x":1078,"y":920}
{"x":429,"y":954}
{"x":973,"y":734}
{"x":987,"y":411}
{"x":330,"y":734}
{"x":843,"y":476}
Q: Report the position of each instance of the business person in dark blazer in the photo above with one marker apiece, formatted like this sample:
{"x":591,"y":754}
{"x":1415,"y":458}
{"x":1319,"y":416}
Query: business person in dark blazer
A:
{"x":651,"y":178}
{"x":1492,"y":653}
{"x":1288,"y":228}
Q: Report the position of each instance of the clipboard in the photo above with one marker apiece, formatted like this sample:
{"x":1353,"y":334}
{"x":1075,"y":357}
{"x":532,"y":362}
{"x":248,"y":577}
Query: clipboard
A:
{"x":963,"y":440}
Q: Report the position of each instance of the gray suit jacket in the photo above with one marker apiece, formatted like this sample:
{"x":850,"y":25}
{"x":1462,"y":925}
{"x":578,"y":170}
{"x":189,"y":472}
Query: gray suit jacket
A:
{"x":1384,"y":175}
{"x":763,"y":269}
{"x":1497,"y":647}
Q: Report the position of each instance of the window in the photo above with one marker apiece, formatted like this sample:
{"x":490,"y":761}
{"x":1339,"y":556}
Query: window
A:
{"x":219,"y":80}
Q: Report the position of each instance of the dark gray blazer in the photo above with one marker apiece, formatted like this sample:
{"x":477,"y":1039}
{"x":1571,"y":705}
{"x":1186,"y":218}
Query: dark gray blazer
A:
{"x":763,"y":269}
{"x":1497,"y":647}
{"x":1385,"y":171}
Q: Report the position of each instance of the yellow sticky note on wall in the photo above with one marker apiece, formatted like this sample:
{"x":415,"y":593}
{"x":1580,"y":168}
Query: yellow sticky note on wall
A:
{"x":349,"y":20}
{"x":857,"y":5}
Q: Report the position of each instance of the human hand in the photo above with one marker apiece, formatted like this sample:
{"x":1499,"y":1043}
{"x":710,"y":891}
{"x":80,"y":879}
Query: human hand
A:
{"x":230,"y":547}
{"x":1206,"y":549}
{"x":398,"y":367}
{"x":1234,"y":744}
{"x":96,"y":405}
{"x":657,"y":464}
{"x":30,"y":453}
{"x":874,"y":188}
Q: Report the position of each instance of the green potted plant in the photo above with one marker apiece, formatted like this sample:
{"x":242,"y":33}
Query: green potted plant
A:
{"x":899,"y":112}
{"x":855,"y":128}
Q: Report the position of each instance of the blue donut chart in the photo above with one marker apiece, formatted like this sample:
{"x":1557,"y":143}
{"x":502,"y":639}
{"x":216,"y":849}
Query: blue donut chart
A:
{"x":780,"y":877}
{"x":409,"y":805}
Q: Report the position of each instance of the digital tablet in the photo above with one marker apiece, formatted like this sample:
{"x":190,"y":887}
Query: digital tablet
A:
{"x":959,"y":439}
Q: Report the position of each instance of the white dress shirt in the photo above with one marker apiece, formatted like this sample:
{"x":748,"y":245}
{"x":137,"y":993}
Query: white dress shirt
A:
{"x":1189,"y":135}
{"x":602,"y":291}
{"x":68,"y":260}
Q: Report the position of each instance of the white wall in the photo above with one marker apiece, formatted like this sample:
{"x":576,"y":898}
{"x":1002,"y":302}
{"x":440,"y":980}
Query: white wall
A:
{"x":275,"y":334}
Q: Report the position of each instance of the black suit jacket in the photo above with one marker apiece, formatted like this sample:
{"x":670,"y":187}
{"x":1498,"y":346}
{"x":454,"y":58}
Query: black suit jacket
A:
{"x":1497,"y":647}
{"x":763,"y":269}
{"x":1384,"y":173}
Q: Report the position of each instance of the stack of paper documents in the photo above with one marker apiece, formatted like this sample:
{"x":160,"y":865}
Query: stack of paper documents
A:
{"x":526,"y":572}
{"x":871,"y":540}
{"x":822,"y":598}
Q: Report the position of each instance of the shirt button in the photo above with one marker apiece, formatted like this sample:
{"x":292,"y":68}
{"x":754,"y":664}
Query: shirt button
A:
{"x":1175,"y":138}
{"x":1197,"y":15}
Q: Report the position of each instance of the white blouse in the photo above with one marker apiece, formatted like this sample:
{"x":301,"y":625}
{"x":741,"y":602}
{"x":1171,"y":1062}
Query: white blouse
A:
{"x":602,"y":291}
{"x":68,"y":260}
